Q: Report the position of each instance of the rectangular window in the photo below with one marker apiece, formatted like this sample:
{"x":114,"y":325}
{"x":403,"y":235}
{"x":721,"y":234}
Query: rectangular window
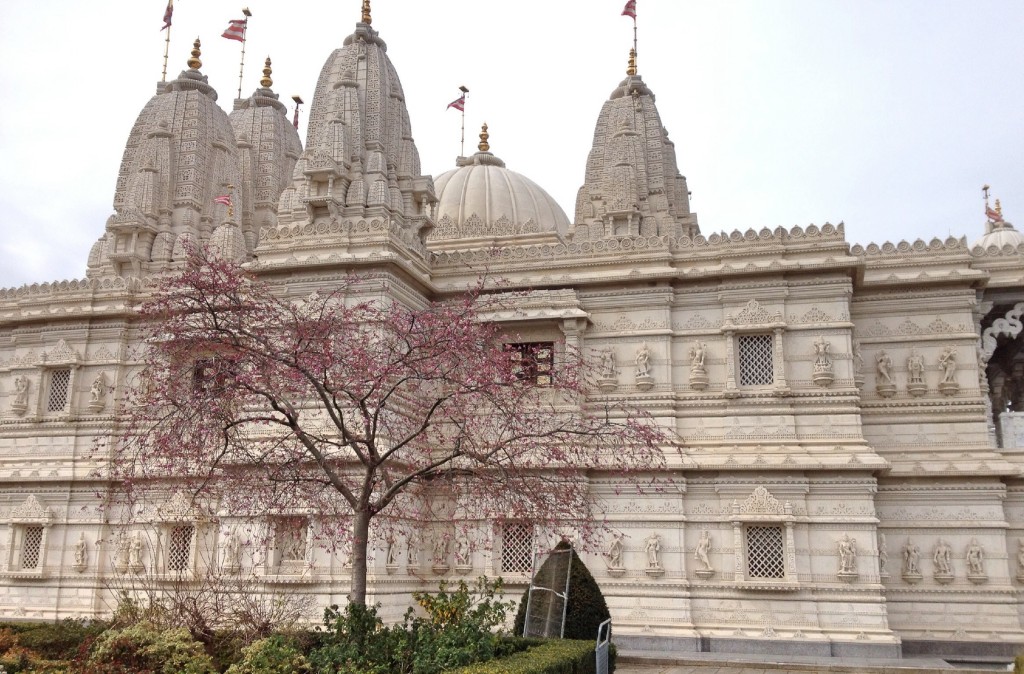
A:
{"x":533,"y":361}
{"x":31,"y":547}
{"x":756,"y":363}
{"x":60,"y":386}
{"x":516,"y":548}
{"x":179,"y":547}
{"x":765,"y":552}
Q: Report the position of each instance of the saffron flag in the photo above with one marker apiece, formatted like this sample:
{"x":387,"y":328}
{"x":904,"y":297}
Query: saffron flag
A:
{"x":630,"y":9}
{"x":459,"y":103}
{"x":993,"y":215}
{"x":167,"y":14}
{"x":235,"y":30}
{"x":224,"y":200}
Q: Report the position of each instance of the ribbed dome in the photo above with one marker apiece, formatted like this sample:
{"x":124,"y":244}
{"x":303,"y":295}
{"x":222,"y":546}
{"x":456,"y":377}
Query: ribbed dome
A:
{"x":999,"y":235}
{"x":482,"y":198}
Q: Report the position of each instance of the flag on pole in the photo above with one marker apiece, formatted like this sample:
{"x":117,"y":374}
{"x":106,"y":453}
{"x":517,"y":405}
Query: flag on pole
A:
{"x":992,"y":214}
{"x":167,"y":14}
{"x":630,"y":9}
{"x":459,"y":103}
{"x":223,"y":200}
{"x":235,"y":30}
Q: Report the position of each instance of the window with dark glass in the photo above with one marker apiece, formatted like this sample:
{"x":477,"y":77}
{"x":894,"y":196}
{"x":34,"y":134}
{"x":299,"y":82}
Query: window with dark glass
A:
{"x":533,"y":361}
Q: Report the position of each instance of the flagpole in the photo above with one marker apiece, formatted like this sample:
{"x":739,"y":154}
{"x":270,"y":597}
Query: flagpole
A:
{"x":167,"y":39}
{"x":462,"y":139}
{"x":634,"y":34}
{"x":241,"y":66}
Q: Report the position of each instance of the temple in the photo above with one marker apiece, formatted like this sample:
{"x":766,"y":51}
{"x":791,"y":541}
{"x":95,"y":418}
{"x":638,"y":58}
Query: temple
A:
{"x":850,"y":417}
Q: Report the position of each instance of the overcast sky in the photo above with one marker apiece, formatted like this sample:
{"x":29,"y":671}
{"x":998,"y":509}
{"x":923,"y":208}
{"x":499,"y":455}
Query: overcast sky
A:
{"x":886,"y":114}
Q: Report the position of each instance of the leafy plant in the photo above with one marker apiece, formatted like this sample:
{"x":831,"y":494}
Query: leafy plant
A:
{"x":142,"y":649}
{"x":273,"y":655}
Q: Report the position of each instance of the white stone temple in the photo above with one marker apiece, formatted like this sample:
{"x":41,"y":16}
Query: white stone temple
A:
{"x":851,"y":417}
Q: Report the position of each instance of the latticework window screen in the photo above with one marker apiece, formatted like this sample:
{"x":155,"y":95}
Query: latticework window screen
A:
{"x":765,"y":552}
{"x":179,"y":547}
{"x":60,"y":384}
{"x":32,"y":547}
{"x":756,"y":365}
{"x":516,"y":548}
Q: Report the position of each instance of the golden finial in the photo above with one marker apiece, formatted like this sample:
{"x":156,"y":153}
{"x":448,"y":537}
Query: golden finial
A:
{"x":265,"y":81}
{"x":194,"y":63}
{"x":366,"y":13}
{"x":999,"y":208}
{"x":483,"y":146}
{"x":631,"y":69}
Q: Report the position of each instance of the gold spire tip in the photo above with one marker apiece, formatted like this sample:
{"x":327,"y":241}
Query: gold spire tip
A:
{"x":483,"y":146}
{"x":999,"y":207}
{"x":631,"y":69}
{"x":265,"y":81}
{"x":194,"y":63}
{"x":366,"y":13}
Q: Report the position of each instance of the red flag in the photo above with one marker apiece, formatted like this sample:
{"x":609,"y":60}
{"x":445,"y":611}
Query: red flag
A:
{"x":993,"y":215}
{"x":630,"y":9}
{"x":224,"y":200}
{"x":459,"y":103}
{"x":167,"y":14}
{"x":295,"y":119}
{"x":235,"y":30}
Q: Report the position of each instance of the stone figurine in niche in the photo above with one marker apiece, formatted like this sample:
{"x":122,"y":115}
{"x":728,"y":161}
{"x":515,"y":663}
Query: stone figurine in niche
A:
{"x":608,"y":364}
{"x":697,"y":356}
{"x":98,"y":390}
{"x":975,"y":558}
{"x":858,"y":359}
{"x":231,"y":559}
{"x":703,"y":546}
{"x":413,"y":550}
{"x":911,"y":558}
{"x":883,"y":364}
{"x":653,"y":548}
{"x":21,"y":386}
{"x":613,"y":555}
{"x":392,"y":553}
{"x":295,"y":545}
{"x":883,"y":554}
{"x":822,"y":368}
{"x":643,"y":361}
{"x":847,"y":554}
{"x":135,"y":552}
{"x":1020,"y":557}
{"x":441,"y":551}
{"x":948,"y":363}
{"x":462,"y":551}
{"x":915,"y":367}
{"x":81,"y":553}
{"x":943,"y":558}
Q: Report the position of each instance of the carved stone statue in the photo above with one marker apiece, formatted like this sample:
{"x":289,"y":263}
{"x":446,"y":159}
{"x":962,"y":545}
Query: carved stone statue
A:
{"x":883,"y":365}
{"x":653,"y":548}
{"x":20,"y":402}
{"x":1020,"y":557}
{"x":943,"y":558}
{"x":231,"y":555}
{"x":915,"y":367}
{"x":847,"y":555}
{"x":822,"y":369}
{"x":391,"y":558}
{"x":462,"y":551}
{"x":98,"y":391}
{"x":703,"y":546}
{"x":858,"y":359}
{"x":135,"y":552}
{"x":975,"y":558}
{"x":948,"y":363}
{"x":441,"y":551}
{"x":911,"y":559}
{"x":697,"y":356}
{"x":294,"y":545}
{"x":608,"y":364}
{"x":81,"y":553}
{"x":613,"y":555}
{"x":883,"y":554}
{"x":121,"y":554}
{"x":643,"y":361}
{"x":412,"y":548}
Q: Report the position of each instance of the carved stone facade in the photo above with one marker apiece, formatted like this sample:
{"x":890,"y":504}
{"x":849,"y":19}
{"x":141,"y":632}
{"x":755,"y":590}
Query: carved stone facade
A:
{"x":834,"y":403}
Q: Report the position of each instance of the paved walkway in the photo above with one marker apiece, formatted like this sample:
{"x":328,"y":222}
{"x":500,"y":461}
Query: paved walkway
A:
{"x":723,"y":663}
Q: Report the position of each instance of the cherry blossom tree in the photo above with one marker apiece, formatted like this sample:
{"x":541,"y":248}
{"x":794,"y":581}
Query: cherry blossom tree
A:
{"x":355,"y":409}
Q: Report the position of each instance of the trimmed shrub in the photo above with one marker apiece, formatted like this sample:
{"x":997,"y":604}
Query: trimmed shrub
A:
{"x":556,"y":656}
{"x":587,"y":608}
{"x":60,"y":641}
{"x":142,"y":649}
{"x":273,"y":655}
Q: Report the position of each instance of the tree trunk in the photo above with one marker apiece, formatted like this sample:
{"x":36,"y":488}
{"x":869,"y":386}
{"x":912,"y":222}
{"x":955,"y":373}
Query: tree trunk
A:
{"x":360,"y":544}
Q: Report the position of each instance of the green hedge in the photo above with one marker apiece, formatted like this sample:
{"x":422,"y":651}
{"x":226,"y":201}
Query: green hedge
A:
{"x":557,"y":656}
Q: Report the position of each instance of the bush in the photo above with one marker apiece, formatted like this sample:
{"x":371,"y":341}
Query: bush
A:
{"x":456,"y":630}
{"x":142,"y":649}
{"x":556,"y":656}
{"x":587,"y":608}
{"x":273,"y":655}
{"x":60,"y":641}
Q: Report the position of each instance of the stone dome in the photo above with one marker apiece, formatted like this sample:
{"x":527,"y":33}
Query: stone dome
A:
{"x":481,"y":199}
{"x":1000,"y":234}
